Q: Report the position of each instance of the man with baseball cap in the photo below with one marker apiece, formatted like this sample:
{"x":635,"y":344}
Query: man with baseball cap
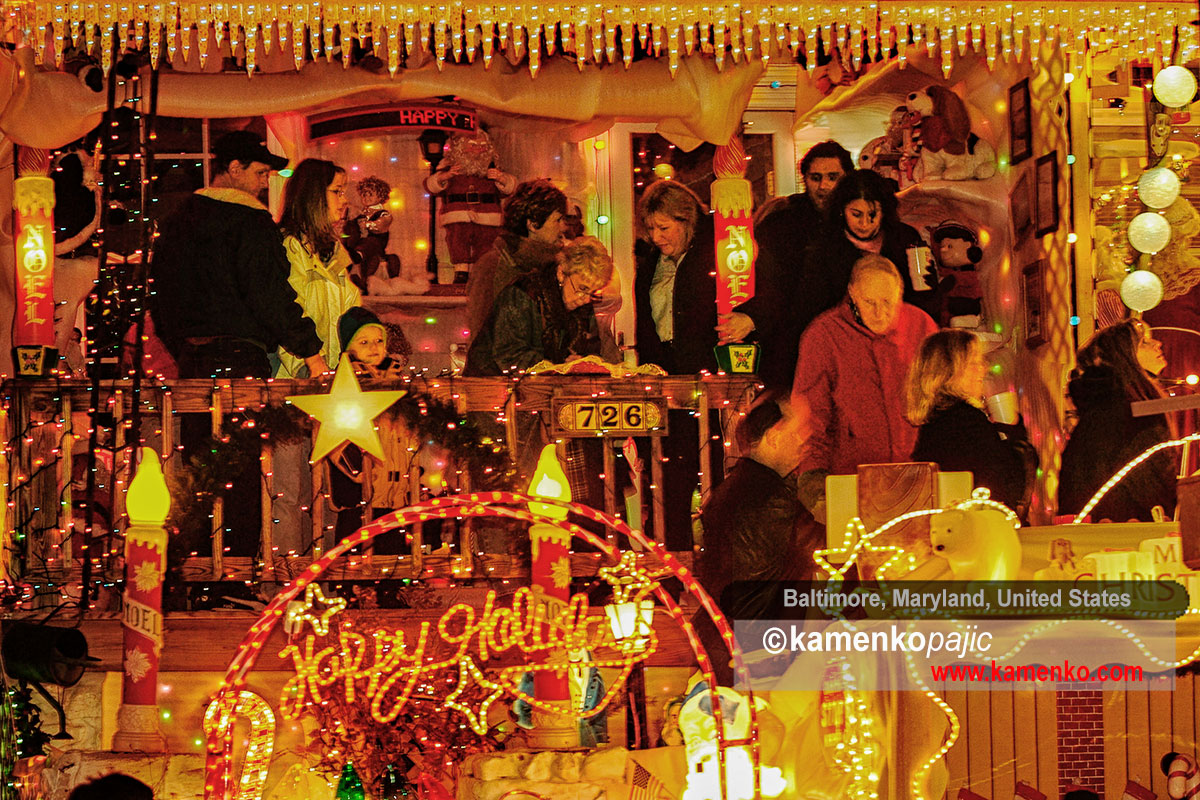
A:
{"x":220,"y":299}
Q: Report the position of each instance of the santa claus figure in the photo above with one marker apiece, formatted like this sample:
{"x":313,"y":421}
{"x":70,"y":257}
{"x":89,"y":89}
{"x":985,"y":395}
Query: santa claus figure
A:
{"x":471,"y":188}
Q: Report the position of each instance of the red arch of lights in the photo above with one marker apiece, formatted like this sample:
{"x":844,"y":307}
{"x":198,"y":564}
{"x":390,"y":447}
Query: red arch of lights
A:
{"x":219,"y":785}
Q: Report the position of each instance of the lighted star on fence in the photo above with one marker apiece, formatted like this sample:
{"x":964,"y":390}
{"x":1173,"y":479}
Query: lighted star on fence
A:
{"x":346,"y":413}
{"x":300,"y":613}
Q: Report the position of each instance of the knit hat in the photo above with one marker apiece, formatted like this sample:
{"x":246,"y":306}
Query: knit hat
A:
{"x":352,"y":322}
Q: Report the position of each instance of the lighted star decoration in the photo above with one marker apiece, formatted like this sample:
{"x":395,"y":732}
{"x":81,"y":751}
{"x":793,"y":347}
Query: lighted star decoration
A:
{"x":300,"y":613}
{"x":470,"y":675}
{"x":628,"y":580}
{"x":146,"y":576}
{"x":137,"y":664}
{"x":346,"y":413}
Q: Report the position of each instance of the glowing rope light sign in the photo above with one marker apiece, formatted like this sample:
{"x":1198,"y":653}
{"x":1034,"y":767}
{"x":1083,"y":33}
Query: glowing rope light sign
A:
{"x":218,"y":784}
{"x":383,"y":667}
{"x":33,"y":323}
{"x":736,"y":250}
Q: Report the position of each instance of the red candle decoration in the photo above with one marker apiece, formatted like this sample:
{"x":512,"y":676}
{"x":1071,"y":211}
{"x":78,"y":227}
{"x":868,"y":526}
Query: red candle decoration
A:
{"x":33,"y":323}
{"x":148,"y":502}
{"x":732,"y":205}
{"x":551,"y":564}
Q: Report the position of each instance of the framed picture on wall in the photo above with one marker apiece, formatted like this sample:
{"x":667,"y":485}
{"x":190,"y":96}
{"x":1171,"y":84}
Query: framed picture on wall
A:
{"x":1020,"y":123}
{"x":1020,"y":205}
{"x":1033,"y":294}
{"x":1046,"y":173}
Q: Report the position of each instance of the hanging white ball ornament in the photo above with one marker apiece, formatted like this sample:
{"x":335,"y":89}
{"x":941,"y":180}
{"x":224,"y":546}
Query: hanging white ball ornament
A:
{"x":1149,"y":232}
{"x":1158,"y":187}
{"x":1175,"y":86}
{"x":1141,"y":290}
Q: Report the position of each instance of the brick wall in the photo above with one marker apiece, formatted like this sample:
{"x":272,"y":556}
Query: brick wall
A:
{"x":1080,"y":737}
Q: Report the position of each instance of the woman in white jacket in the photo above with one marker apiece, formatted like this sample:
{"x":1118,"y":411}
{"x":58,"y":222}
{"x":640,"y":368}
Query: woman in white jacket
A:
{"x":314,"y":200}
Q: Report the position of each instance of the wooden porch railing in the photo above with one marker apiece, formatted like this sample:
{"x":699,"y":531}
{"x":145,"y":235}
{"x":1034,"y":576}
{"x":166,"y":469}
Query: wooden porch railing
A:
{"x":44,"y":419}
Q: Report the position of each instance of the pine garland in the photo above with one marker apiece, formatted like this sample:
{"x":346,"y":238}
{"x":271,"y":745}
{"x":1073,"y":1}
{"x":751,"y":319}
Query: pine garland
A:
{"x":209,"y":474}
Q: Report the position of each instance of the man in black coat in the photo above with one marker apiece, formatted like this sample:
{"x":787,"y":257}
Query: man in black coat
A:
{"x":221,"y":299}
{"x":755,"y":528}
{"x":783,"y":232}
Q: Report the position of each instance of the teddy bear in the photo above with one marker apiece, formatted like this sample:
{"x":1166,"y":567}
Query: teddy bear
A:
{"x":948,"y":148}
{"x":957,"y":253}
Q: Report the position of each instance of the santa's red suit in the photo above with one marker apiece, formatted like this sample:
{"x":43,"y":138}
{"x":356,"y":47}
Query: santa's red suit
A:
{"x":470,"y":212}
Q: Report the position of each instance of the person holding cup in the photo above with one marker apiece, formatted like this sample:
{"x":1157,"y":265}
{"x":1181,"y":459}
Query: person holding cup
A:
{"x":945,"y":399}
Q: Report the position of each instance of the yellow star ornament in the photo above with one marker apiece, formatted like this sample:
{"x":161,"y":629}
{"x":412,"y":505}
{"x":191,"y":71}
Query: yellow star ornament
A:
{"x":346,"y":414}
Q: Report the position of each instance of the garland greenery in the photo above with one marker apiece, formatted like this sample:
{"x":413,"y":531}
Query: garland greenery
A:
{"x":210,"y":473}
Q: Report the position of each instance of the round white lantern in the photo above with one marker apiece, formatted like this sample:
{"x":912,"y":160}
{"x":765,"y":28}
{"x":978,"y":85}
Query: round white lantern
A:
{"x":1149,"y":232}
{"x":1175,"y":86}
{"x":1141,"y":290}
{"x":1158,"y":187}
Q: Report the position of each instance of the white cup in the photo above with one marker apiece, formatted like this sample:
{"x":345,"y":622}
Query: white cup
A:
{"x":1003,"y":408}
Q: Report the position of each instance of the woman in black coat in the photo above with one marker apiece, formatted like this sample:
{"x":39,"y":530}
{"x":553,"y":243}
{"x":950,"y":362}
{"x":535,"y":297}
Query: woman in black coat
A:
{"x":945,"y":399}
{"x":863,"y":218}
{"x":675,"y":301}
{"x":675,"y":287}
{"x":545,"y":313}
{"x":1115,"y":368}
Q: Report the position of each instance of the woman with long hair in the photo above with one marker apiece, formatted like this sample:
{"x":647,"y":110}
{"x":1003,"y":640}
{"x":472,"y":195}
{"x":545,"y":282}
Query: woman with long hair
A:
{"x":945,"y":402}
{"x":863,"y":217}
{"x":314,"y":204}
{"x":1118,"y":366}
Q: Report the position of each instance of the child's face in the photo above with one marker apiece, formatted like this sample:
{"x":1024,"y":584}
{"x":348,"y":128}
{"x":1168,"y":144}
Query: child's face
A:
{"x":369,"y":197}
{"x":369,"y":345}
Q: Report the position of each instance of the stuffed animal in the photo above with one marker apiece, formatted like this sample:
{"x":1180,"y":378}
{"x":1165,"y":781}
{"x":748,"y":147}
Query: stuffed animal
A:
{"x":471,"y":189}
{"x":949,"y":150}
{"x":957,"y":253}
{"x":979,"y":544}
{"x":896,"y":154}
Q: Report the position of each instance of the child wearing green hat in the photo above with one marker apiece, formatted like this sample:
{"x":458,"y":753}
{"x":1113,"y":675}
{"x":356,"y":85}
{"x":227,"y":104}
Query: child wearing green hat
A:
{"x":376,"y":350}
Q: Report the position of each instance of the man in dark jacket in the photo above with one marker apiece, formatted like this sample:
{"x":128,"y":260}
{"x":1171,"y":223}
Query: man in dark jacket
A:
{"x":534,"y":221}
{"x":785,"y":229}
{"x":755,"y":528}
{"x":221,"y":298}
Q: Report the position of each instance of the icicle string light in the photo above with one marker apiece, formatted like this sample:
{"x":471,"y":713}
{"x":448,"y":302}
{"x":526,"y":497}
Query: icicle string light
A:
{"x":590,"y":31}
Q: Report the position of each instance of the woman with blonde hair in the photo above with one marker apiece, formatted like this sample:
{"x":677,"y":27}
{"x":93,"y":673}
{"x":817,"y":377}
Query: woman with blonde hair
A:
{"x":545,"y":314}
{"x":675,"y":286}
{"x":1117,"y":366}
{"x":314,"y":203}
{"x":945,"y":402}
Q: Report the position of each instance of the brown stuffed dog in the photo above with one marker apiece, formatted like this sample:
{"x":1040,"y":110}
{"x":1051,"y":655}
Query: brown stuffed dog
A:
{"x":949,"y":150}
